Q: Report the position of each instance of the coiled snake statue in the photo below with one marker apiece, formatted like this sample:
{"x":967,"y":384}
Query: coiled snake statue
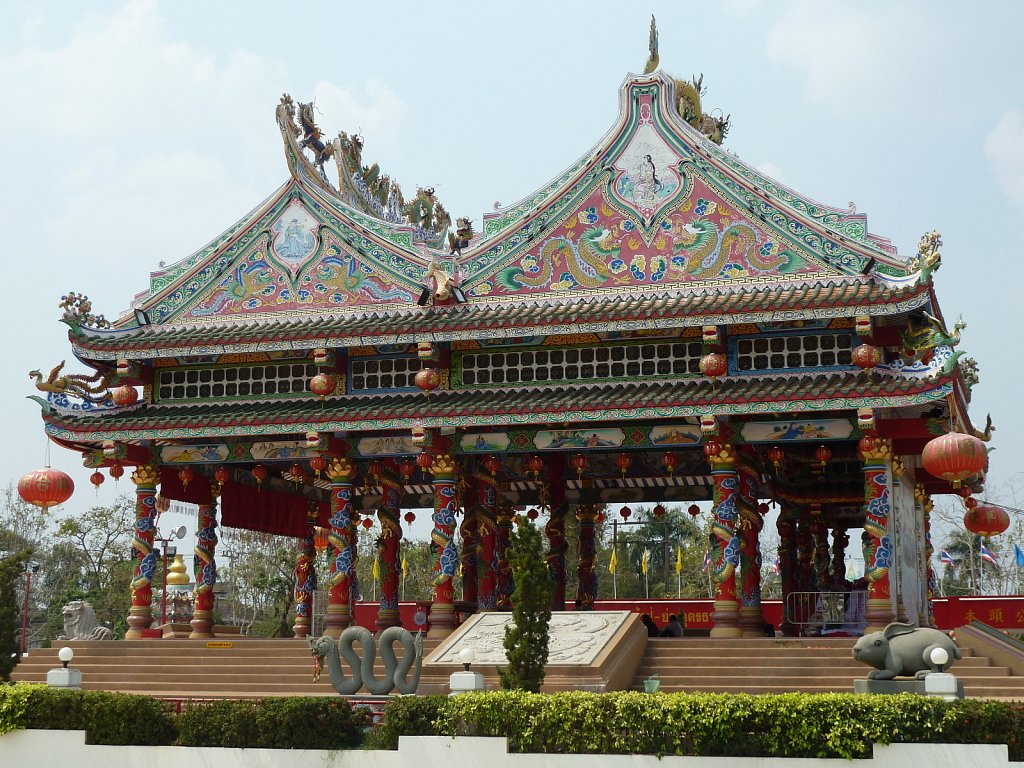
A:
{"x":396,"y":673}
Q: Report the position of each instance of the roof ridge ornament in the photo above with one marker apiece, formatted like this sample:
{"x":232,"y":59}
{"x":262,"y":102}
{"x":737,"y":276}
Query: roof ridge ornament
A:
{"x":652,"y":46}
{"x":78,"y":311}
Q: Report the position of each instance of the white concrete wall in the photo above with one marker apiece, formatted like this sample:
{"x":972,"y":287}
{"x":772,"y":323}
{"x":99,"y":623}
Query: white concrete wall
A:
{"x":67,"y":749}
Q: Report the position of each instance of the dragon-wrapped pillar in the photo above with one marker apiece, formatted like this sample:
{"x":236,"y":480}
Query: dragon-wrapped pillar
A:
{"x":487,"y":543}
{"x":204,"y":566}
{"x":586,"y":570}
{"x":389,"y":547}
{"x":340,"y":473}
{"x":305,"y":577}
{"x":840,"y":541}
{"x":786,"y":527}
{"x":442,"y":540}
{"x":877,"y":455}
{"x":554,"y":529}
{"x":140,"y":615}
{"x":506,"y":583}
{"x":821,"y":553}
{"x":751,"y":618}
{"x":469,"y":530}
{"x":923,"y":501}
{"x":725,"y":542}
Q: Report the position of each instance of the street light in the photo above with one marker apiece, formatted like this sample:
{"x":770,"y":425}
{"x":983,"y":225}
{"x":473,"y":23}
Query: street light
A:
{"x":30,"y":568}
{"x":177,"y":533}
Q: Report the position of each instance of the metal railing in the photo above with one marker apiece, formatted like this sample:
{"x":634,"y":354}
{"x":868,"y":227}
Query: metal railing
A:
{"x":817,"y":613}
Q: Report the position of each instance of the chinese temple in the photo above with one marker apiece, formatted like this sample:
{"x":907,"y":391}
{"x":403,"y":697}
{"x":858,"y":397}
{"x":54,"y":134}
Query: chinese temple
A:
{"x":660,"y":322}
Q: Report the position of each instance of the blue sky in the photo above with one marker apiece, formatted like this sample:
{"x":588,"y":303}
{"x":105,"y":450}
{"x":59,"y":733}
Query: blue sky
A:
{"x":134,"y":132}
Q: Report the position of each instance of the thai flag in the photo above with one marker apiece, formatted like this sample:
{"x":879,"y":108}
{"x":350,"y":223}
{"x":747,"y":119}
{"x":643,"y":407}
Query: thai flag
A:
{"x":988,"y":556}
{"x":946,"y":559}
{"x":777,"y":566}
{"x":707,"y":561}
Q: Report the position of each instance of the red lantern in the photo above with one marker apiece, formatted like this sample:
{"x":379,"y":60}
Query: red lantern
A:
{"x":492,"y":464}
{"x":406,"y":468}
{"x":296,"y":474}
{"x":762,"y":509}
{"x":427,"y":379}
{"x":376,"y":469}
{"x":321,"y":538}
{"x":323,"y":384}
{"x":424,"y":460}
{"x":317,"y":464}
{"x":712,"y":448}
{"x":970,"y":502}
{"x":533,"y":514}
{"x":97,"y":478}
{"x":185,"y":475}
{"x":535,"y":464}
{"x":600,"y":518}
{"x":260,"y":473}
{"x":986,"y":520}
{"x":713,"y":365}
{"x":659,"y":511}
{"x":46,"y":488}
{"x":623,"y":462}
{"x":124,"y":395}
{"x":671,"y":461}
{"x":954,"y":457}
{"x":116,"y":471}
{"x":776,"y":455}
{"x":221,"y":475}
{"x":579,"y":463}
{"x":867,"y":444}
{"x":693,"y":509}
{"x":625,"y":512}
{"x":409,"y":517}
{"x":367,"y":523}
{"x":866,"y":356}
{"x":964,"y":492}
{"x":823,"y":454}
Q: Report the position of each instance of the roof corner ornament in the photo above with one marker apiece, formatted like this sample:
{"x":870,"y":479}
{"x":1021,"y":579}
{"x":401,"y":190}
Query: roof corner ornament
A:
{"x":923,"y":338}
{"x":652,"y":46}
{"x":985,"y":435}
{"x":969,"y":370}
{"x":460,"y":238}
{"x":426,"y":214}
{"x":92,"y":389}
{"x":312,"y":137}
{"x":78,"y":312}
{"x":286,"y":115}
{"x":928,"y":259}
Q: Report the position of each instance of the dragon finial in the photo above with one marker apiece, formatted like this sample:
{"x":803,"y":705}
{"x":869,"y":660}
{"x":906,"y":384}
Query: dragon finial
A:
{"x":970,"y":371}
{"x":78,"y":311}
{"x":652,"y":46}
{"x":93,"y":389}
{"x":928,"y":258}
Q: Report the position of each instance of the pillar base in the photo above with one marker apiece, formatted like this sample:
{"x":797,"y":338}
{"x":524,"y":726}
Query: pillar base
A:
{"x":301,"y":626}
{"x":725,"y":619}
{"x":337,"y":620}
{"x":751,"y":621}
{"x":442,"y":620}
{"x":388,"y":617}
{"x":202,"y":625}
{"x":140,"y":617}
{"x":879,"y":614}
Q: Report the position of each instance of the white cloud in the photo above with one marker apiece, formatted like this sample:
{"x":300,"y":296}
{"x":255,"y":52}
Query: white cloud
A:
{"x":378,"y":118}
{"x":771,"y":170}
{"x":1004,"y":147}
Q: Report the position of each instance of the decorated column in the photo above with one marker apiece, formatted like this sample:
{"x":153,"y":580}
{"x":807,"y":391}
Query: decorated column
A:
{"x":923,"y":502}
{"x":725,"y":543}
{"x":389,"y":548}
{"x":506,"y":583}
{"x":442,"y":539}
{"x":487,"y":557}
{"x":340,"y":473}
{"x":787,"y":568}
{"x":751,"y":618}
{"x":204,"y":566}
{"x":305,"y":577}
{"x":140,"y":615}
{"x":840,"y":541}
{"x":469,"y":530}
{"x":877,"y":454}
{"x":586,"y":571}
{"x":554,"y":529}
{"x":819,"y":534}
{"x":805,"y":558}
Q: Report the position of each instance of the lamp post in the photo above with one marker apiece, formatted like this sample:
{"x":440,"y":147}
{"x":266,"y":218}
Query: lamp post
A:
{"x":30,"y":568}
{"x":177,"y":533}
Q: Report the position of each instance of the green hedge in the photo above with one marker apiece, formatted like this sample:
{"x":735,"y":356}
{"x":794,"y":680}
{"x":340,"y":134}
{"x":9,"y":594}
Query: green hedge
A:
{"x":787,"y":725}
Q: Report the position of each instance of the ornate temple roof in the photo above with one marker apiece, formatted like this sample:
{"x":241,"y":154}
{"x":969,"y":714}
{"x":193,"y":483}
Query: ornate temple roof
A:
{"x":656,"y":224}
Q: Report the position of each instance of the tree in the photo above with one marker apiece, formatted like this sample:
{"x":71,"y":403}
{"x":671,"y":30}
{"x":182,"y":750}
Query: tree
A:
{"x":526,"y":639}
{"x":11,"y":569}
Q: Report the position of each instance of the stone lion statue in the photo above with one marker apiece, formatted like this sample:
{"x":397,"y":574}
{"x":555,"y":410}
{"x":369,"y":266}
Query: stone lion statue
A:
{"x":80,"y":623}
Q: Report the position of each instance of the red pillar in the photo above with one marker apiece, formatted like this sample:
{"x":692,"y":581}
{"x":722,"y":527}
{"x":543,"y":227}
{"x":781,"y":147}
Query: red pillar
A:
{"x":389,"y":548}
{"x":751,"y":618}
{"x":725,"y":543}
{"x":787,"y":569}
{"x":140,"y":615}
{"x":305,"y":579}
{"x":555,"y":530}
{"x":487,"y":560}
{"x":878,"y":552}
{"x":469,"y":530}
{"x":204,"y":567}
{"x":586,"y":571}
{"x":506,"y":583}
{"x":442,"y":538}
{"x":926,"y":509}
{"x":340,"y":472}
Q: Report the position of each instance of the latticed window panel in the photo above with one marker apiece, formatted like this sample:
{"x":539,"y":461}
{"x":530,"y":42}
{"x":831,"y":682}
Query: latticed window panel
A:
{"x":779,"y":353}
{"x":609,"y":362}
{"x":376,"y":373}
{"x":263,"y":380}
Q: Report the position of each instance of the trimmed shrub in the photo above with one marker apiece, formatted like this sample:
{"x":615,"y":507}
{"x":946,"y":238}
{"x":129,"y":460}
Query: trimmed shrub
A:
{"x":407,"y":716}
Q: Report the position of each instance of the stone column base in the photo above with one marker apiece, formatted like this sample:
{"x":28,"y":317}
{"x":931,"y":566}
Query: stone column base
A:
{"x":878,"y":614}
{"x":202,"y":625}
{"x":725,"y":619}
{"x":337,"y":620}
{"x":140,"y":617}
{"x":751,"y":621}
{"x":442,"y":620}
{"x":301,"y":626}
{"x":388,"y":617}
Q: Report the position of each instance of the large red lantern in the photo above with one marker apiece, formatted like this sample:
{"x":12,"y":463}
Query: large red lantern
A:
{"x":671,"y":461}
{"x":427,"y":379}
{"x":318,"y":464}
{"x":97,"y":478}
{"x":623,"y":461}
{"x":376,"y":469}
{"x":296,"y":474}
{"x":124,"y":395}
{"x":713,"y":365}
{"x":712,"y":448}
{"x":823,"y":454}
{"x":625,"y":512}
{"x":410,"y":517}
{"x":579,"y":463}
{"x":116,"y":471}
{"x":986,"y":520}
{"x":535,"y":464}
{"x":46,"y":488}
{"x":954,"y":457}
{"x":492,"y":464}
{"x":406,"y":468}
{"x":776,"y":455}
{"x":693,"y":509}
{"x":221,"y":475}
{"x":424,"y":460}
{"x":659,"y":511}
{"x":185,"y":474}
{"x":323,"y":384}
{"x":866,"y":356}
{"x":260,"y":473}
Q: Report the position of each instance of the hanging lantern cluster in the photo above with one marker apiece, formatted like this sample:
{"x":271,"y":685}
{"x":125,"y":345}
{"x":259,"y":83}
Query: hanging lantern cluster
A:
{"x":124,"y":395}
{"x":46,"y":488}
{"x":424,"y":460}
{"x":986,"y":520}
{"x":954,"y":457}
{"x":866,"y":356}
{"x":670,"y":461}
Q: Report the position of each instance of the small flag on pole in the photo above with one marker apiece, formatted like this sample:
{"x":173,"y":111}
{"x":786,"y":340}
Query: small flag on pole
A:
{"x":612,"y":562}
{"x":643,"y":563}
{"x":405,"y":567}
{"x":1018,"y":556}
{"x":376,"y":569}
{"x":776,"y":565}
{"x":988,"y":556}
{"x":946,"y":559}
{"x":679,"y":560}
{"x":707,"y":561}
